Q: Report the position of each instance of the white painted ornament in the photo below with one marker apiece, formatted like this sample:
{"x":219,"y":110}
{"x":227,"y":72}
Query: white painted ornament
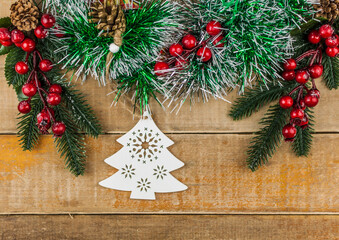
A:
{"x":144,"y":163}
{"x":114,"y":48}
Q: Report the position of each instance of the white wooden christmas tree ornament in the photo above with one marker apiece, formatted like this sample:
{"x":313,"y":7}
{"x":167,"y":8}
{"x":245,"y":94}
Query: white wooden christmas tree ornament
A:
{"x":144,"y":163}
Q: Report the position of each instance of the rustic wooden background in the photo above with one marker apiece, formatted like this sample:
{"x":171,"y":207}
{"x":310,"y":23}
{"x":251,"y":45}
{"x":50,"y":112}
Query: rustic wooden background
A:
{"x":291,"y":198}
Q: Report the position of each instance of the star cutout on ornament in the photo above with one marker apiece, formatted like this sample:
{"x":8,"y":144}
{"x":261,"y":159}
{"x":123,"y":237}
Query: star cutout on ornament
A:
{"x":128,"y":171}
{"x":144,"y":184}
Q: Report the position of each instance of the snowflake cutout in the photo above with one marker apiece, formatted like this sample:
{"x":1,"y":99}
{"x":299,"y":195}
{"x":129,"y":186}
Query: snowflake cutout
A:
{"x":128,"y":171}
{"x":143,"y":184}
{"x":160,"y":172}
{"x":145,"y":145}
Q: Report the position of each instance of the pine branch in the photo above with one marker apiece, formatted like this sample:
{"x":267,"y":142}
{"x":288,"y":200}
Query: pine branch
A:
{"x":83,"y":114}
{"x":331,"y":72}
{"x":268,"y":138}
{"x":14,"y":79}
{"x":256,"y":98}
{"x":303,"y":140}
{"x":5,"y":50}
{"x":71,"y":144}
{"x":27,"y":129}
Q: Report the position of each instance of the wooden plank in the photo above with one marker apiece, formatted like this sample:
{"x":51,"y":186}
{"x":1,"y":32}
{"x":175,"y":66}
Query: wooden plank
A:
{"x":215,"y":172}
{"x":239,"y":227}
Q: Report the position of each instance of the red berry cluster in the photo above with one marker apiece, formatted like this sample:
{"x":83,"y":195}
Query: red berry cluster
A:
{"x":51,"y":97}
{"x":331,"y":39}
{"x":7,"y":37}
{"x":189,"y":44}
{"x":314,"y":70}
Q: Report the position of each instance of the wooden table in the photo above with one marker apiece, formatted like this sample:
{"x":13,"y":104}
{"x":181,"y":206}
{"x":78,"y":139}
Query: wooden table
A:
{"x":290,"y":198}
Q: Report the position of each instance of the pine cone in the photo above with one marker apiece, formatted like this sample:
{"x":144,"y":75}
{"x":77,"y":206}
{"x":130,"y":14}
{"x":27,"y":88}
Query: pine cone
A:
{"x":25,"y":15}
{"x":328,"y":9}
{"x":110,"y":18}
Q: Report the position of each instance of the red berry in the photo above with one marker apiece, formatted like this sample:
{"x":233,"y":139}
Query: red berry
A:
{"x":17,"y":36}
{"x":24,"y":107}
{"x":47,"y":20}
{"x":21,"y":67}
{"x":40,"y":32}
{"x":297,"y":113}
{"x":58,"y":129}
{"x":314,"y":92}
{"x":314,"y":37}
{"x":289,"y":132}
{"x":288,"y":75}
{"x":160,"y":68}
{"x":304,"y":122}
{"x":302,"y":76}
{"x":28,"y":45}
{"x":205,"y":54}
{"x":176,"y":50}
{"x":213,"y":28}
{"x":290,"y":64}
{"x":217,"y":40}
{"x":53,"y":99}
{"x":189,"y":41}
{"x":311,"y":101}
{"x":316,"y":70}
{"x":43,"y":116}
{"x":45,"y":65}
{"x":286,"y":102}
{"x":326,"y":31}
{"x":302,"y":104}
{"x":18,"y":45}
{"x":332,"y":51}
{"x":55,"y":88}
{"x":332,"y":41}
{"x":180,"y":64}
{"x":29,"y":89}
{"x":5,"y":34}
{"x":7,"y":43}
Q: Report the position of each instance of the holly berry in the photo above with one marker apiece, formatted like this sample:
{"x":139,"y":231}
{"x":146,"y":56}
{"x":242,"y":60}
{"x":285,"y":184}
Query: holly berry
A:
{"x":58,"y":33}
{"x":314,"y":37}
{"x":55,"y":88}
{"x":21,"y":67}
{"x":332,"y":41}
{"x":289,"y":132}
{"x":314,"y":92}
{"x":316,"y":70}
{"x":7,"y":43}
{"x":45,"y":65}
{"x":5,"y":34}
{"x":176,"y":50}
{"x":189,"y":41}
{"x":326,"y":31}
{"x":40,"y":32}
{"x":302,"y":104}
{"x":304,"y":122}
{"x":297,"y":113}
{"x":160,"y":68}
{"x":217,"y":40}
{"x":29,"y":89}
{"x":180,"y":64}
{"x":286,"y":102}
{"x":290,"y":64}
{"x":43,"y":116}
{"x":311,"y":101}
{"x":204,"y":53}
{"x":17,"y":36}
{"x":288,"y":75}
{"x":18,"y":45}
{"x":28,"y":45}
{"x":302,"y":76}
{"x":54,"y":99}
{"x":332,"y":51}
{"x":24,"y":107}
{"x":47,"y":20}
{"x":58,"y":129}
{"x":213,"y":28}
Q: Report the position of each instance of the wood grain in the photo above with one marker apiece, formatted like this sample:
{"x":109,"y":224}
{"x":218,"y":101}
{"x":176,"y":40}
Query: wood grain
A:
{"x":250,"y":227}
{"x":215,"y":173}
{"x":208,"y":117}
